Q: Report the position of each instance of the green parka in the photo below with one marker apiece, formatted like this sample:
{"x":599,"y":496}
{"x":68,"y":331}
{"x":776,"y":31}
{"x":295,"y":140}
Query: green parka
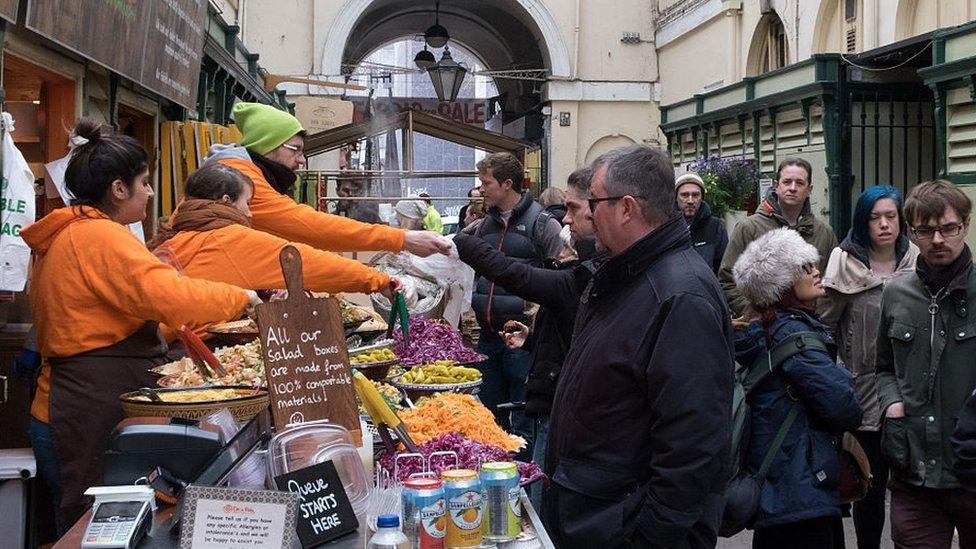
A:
{"x":768,"y":217}
{"x":926,"y":350}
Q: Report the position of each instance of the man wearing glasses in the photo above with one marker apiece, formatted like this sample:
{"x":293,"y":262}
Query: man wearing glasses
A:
{"x":641,"y":415}
{"x":272,"y":148}
{"x":926,"y":371}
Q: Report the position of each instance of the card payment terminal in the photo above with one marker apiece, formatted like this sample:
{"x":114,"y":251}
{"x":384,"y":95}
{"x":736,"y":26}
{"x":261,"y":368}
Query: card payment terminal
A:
{"x":121,"y":516}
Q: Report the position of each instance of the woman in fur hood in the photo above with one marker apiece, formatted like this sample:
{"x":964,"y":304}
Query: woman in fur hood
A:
{"x":799,"y":501}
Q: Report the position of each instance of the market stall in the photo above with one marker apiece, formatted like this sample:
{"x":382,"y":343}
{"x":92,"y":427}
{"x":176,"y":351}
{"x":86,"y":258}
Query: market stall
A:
{"x":315,"y":419}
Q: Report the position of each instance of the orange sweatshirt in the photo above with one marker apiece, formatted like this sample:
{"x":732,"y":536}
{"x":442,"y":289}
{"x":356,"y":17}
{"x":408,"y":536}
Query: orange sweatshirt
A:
{"x":94,"y":284}
{"x":281,"y":216}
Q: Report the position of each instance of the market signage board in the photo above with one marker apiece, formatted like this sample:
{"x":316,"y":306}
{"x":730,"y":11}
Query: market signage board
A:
{"x":8,"y":10}
{"x":324,"y":511}
{"x":305,"y":355}
{"x":157,"y":43}
{"x":221,"y":518}
{"x":465,"y":111}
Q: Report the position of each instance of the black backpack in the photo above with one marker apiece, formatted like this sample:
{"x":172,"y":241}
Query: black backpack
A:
{"x":743,"y":489}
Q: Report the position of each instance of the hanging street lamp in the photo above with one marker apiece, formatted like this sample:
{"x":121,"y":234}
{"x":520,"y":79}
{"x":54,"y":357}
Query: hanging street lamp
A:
{"x":436,"y":36}
{"x":424,"y":59}
{"x":447,"y":76}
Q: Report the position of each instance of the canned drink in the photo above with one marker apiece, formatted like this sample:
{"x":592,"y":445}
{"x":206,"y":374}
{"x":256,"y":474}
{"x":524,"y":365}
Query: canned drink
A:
{"x":423,"y":513}
{"x":503,"y":513}
{"x":465,"y":503}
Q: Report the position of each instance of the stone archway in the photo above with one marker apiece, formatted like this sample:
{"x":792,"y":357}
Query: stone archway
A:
{"x":349,"y":15}
{"x":827,"y":29}
{"x":606,"y":143}
{"x":761,"y":52}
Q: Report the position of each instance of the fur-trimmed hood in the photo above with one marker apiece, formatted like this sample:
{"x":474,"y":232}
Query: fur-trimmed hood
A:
{"x":771,"y":264}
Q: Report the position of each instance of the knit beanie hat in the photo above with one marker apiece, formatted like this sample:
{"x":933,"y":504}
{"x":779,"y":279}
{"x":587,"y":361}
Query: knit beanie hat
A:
{"x":771,"y":264}
{"x":263,"y":127}
{"x":689,"y":177}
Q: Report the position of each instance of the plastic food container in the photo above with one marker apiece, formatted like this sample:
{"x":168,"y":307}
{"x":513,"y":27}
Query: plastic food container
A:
{"x":306,"y":444}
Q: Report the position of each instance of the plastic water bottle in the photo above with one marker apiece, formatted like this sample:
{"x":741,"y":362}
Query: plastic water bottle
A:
{"x":388,"y":534}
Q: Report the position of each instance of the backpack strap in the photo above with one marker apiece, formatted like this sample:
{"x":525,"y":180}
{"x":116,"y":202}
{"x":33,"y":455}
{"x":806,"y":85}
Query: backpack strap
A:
{"x":538,"y":232}
{"x":777,"y":442}
{"x":793,"y":344}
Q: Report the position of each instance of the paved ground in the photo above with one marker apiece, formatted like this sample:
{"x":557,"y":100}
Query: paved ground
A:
{"x":744,"y":540}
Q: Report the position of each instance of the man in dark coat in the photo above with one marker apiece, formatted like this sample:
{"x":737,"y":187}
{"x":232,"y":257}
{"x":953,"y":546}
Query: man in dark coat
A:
{"x":708,"y":235}
{"x":556,"y":288}
{"x":519,"y":227}
{"x":640,"y":422}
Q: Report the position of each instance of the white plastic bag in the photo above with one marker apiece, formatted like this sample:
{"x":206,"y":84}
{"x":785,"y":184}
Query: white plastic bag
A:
{"x":16,"y":212}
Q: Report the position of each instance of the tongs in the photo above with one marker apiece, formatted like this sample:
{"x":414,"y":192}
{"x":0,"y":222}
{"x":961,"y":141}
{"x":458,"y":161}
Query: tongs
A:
{"x":384,"y":418}
{"x":201,"y":356}
{"x":398,"y":309}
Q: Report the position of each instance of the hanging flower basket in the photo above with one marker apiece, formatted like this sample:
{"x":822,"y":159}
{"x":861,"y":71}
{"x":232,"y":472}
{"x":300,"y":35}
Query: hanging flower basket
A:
{"x":730,"y":183}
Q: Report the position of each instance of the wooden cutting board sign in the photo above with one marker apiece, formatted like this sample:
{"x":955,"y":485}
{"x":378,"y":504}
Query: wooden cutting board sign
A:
{"x":305,"y":355}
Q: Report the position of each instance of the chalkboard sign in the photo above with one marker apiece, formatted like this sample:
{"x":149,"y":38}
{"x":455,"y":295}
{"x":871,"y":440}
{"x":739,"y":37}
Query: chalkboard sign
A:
{"x":324,"y":511}
{"x":305,"y":356}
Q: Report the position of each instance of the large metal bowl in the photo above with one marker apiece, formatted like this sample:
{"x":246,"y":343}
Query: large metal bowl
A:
{"x":415,"y":391}
{"x":243,"y":407}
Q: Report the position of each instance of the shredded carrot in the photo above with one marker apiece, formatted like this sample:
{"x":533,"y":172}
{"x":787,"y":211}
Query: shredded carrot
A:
{"x":457,"y":413}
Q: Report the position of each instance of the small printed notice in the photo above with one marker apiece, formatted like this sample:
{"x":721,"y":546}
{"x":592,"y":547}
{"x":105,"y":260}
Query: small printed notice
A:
{"x":228,"y":518}
{"x":324,"y":511}
{"x":305,"y":355}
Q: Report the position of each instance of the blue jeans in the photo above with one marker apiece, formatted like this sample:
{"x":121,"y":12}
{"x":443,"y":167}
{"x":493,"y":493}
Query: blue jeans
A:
{"x":539,"y":456}
{"x":47,"y":465}
{"x":503,"y":380}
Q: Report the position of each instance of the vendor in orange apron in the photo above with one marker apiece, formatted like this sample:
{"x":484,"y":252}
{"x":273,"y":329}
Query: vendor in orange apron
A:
{"x":210,"y":237}
{"x":98,"y":295}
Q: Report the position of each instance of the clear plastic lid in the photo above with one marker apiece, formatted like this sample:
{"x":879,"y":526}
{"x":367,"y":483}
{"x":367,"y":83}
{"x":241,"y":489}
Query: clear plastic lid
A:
{"x":306,"y":444}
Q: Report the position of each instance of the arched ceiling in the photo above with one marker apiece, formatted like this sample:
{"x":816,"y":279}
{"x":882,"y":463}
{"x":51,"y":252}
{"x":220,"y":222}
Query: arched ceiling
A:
{"x":501,"y":33}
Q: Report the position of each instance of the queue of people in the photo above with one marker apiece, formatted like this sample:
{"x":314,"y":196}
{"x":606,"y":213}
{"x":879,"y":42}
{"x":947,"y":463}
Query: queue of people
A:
{"x":635,"y":346}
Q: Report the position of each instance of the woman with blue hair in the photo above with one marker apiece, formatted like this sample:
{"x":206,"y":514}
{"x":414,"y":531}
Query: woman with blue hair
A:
{"x":875,"y":251}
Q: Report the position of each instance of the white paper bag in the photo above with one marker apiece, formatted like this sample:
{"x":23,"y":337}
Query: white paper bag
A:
{"x":16,"y":212}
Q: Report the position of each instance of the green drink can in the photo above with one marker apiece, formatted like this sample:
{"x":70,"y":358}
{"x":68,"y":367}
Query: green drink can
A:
{"x":503,"y":512}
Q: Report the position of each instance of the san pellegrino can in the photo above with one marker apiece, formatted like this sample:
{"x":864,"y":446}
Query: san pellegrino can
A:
{"x":503,"y":512}
{"x":465,"y":503}
{"x":423,"y":513}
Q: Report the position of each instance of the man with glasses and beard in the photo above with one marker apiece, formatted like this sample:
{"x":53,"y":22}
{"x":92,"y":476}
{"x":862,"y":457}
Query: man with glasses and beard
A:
{"x":925,"y":372}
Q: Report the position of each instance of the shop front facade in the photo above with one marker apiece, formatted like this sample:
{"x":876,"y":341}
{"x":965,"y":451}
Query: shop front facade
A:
{"x":899,"y":114}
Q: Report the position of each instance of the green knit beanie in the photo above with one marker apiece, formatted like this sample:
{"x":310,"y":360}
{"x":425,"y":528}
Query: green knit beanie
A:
{"x":263,"y":127}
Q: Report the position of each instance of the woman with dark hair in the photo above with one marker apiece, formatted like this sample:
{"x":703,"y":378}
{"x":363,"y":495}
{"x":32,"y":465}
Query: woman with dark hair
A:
{"x":211,"y":238}
{"x":799,"y":501}
{"x":98,"y":295}
{"x":875,"y":251}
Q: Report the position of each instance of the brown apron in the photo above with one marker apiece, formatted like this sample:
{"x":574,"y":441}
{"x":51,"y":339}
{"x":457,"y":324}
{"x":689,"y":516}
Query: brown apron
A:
{"x":85,"y":408}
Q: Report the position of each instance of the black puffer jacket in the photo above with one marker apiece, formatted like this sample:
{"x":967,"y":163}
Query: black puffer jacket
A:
{"x":557,"y":291}
{"x":641,"y":419}
{"x":708,"y":236}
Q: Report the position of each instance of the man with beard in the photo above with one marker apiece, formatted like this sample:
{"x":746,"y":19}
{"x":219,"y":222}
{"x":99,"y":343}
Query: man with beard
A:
{"x":786,"y":205}
{"x":272,"y":148}
{"x":925,"y":372}
{"x":708,"y":235}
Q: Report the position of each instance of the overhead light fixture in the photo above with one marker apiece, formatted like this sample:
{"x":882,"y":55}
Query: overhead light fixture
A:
{"x":447,"y":76}
{"x":436,"y":36}
{"x":424,"y":59}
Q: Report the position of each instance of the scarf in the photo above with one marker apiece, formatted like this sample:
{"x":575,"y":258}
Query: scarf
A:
{"x":199,"y":215}
{"x":277,"y":174}
{"x":953,"y":276}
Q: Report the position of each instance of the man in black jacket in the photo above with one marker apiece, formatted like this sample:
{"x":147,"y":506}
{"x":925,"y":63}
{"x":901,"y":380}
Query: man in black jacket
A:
{"x":557,"y":291}
{"x":640,"y":422}
{"x":516,"y":225}
{"x":708,"y":234}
